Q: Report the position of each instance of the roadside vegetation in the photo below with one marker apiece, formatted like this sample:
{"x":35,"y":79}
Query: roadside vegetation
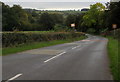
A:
{"x":113,"y":52}
{"x":96,"y":20}
{"x":34,"y":45}
{"x":23,"y":38}
{"x":25,"y":29}
{"x":114,"y":57}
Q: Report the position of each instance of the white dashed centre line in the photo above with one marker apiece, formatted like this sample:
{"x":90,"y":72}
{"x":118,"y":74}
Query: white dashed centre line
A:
{"x":59,"y":54}
{"x":54,"y":57}
{"x":75,"y":47}
{"x":18,"y":75}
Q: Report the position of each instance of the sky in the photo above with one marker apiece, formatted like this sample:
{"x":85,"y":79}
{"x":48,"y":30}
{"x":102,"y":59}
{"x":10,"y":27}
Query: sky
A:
{"x":54,"y":4}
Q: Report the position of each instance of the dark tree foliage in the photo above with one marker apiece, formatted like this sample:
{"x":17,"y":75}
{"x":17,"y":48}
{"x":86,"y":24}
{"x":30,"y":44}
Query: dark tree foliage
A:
{"x":57,"y":18}
{"x":14,"y":18}
{"x":46,"y":22}
{"x":113,"y":15}
{"x":6,"y":18}
{"x":78,"y":21}
{"x":69,"y":20}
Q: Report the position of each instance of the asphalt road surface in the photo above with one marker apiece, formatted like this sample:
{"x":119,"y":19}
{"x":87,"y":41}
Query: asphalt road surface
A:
{"x":80,"y":60}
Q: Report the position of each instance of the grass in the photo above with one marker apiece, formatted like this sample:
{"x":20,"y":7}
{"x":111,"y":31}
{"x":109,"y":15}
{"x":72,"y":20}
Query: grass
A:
{"x":114,"y":57}
{"x":24,"y":47}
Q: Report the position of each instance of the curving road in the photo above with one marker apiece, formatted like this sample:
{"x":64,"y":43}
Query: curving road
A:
{"x":81,"y":60}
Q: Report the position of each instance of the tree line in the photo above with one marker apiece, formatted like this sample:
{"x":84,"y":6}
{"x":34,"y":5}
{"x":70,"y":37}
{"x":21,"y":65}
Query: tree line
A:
{"x":96,"y":20}
{"x":16,"y":18}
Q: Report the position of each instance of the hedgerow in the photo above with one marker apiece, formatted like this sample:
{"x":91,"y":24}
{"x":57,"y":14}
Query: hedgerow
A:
{"x":14,"y":39}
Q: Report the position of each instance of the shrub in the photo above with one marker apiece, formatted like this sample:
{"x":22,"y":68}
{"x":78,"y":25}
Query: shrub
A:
{"x":14,"y":39}
{"x":61,"y":28}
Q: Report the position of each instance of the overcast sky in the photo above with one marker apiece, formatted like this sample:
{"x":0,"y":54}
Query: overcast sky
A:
{"x":54,"y":4}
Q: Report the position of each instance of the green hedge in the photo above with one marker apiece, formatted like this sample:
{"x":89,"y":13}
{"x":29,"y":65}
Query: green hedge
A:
{"x":14,"y":39}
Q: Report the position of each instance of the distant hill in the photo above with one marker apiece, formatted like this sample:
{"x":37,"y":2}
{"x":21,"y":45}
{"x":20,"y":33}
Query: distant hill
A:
{"x":65,"y":12}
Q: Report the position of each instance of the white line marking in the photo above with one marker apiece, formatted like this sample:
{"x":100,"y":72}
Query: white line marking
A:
{"x":54,"y":57}
{"x":74,"y":47}
{"x":18,"y":75}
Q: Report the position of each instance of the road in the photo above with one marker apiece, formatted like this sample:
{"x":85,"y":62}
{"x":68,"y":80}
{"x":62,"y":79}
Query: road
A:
{"x":80,"y":60}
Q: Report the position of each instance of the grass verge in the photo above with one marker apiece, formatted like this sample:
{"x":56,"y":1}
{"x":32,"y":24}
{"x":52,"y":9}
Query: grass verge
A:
{"x":20,"y":48}
{"x":114,"y":57}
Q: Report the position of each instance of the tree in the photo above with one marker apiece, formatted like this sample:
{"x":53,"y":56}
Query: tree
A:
{"x":113,"y":15}
{"x":57,"y":18}
{"x":14,"y":18}
{"x":46,"y":22}
{"x":94,"y":17}
{"x":69,"y":20}
{"x":78,"y":20}
{"x":21,"y":18}
{"x":6,"y":17}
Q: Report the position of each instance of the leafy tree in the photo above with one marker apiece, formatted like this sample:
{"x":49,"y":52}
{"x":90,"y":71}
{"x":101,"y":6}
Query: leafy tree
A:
{"x":78,"y":21}
{"x":57,"y":18}
{"x":14,"y":18}
{"x":6,"y":18}
{"x":21,"y":17}
{"x":69,"y":20}
{"x":94,"y":17}
{"x":46,"y":22}
{"x":113,"y":15}
{"x":34,"y":14}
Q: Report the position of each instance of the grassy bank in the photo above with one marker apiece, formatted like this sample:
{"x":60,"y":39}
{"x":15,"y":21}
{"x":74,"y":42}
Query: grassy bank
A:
{"x":114,"y":57}
{"x":29,"y":46}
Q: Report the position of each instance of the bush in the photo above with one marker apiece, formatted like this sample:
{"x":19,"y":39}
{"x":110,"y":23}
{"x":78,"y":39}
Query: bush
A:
{"x":61,"y":28}
{"x":14,"y":39}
